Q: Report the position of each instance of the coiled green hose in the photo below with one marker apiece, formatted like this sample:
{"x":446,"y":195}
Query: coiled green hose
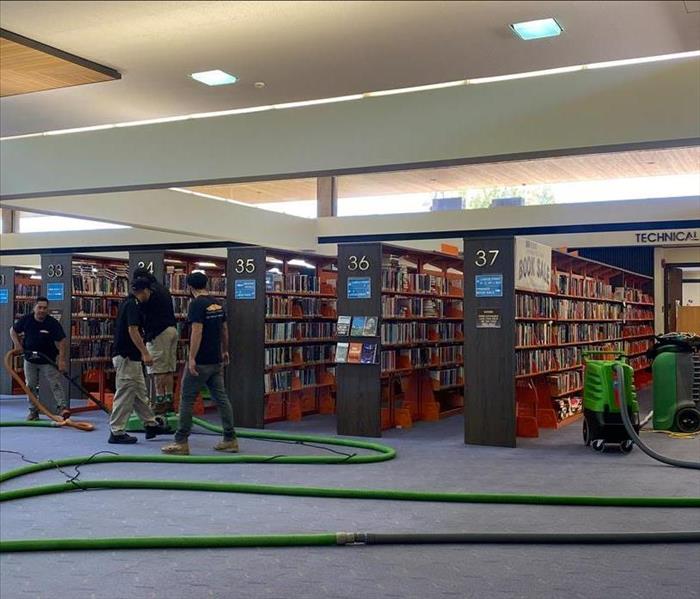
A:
{"x":380,"y":453}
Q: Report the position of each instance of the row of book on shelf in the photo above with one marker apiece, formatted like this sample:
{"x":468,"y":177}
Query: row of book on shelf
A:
{"x":298,"y":306}
{"x":284,"y":380}
{"x":542,"y":306}
{"x":420,"y":357}
{"x":398,"y":279}
{"x":590,"y":287}
{"x":406,"y":307}
{"x":278,"y":282}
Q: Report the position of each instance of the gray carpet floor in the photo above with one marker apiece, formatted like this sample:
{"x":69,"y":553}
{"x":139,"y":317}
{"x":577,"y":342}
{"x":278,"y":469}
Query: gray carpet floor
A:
{"x":431,"y":456}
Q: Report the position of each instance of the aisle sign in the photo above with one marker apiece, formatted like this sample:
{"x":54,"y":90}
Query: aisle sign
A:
{"x":4,"y":295}
{"x":54,"y":292}
{"x":488,"y":285}
{"x":533,"y":265}
{"x":359,"y":288}
{"x":244,"y":289}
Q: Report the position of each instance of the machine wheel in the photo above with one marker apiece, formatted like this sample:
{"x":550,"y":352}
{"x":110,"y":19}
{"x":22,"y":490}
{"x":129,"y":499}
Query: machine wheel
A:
{"x":598,"y":444}
{"x":586,"y":433}
{"x":688,"y":420}
{"x":627,"y":446}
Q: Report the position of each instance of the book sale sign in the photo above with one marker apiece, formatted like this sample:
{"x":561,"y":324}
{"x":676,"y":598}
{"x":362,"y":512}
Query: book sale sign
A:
{"x":533,"y":265}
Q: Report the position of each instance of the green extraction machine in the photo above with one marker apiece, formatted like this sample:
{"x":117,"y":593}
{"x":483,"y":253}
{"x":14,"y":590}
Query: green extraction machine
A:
{"x":605,"y":383}
{"x":676,"y":380}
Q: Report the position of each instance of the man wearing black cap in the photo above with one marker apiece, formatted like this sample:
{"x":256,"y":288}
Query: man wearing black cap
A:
{"x":208,"y":354}
{"x":130,"y":354}
{"x":160,"y":332}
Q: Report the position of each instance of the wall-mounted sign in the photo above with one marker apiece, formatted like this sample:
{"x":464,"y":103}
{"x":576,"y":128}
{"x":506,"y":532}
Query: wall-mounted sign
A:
{"x":55,"y":292}
{"x":488,"y":318}
{"x":359,"y":288}
{"x":660,"y":237}
{"x":4,"y":295}
{"x":488,"y":285}
{"x":533,"y":265}
{"x":244,"y":289}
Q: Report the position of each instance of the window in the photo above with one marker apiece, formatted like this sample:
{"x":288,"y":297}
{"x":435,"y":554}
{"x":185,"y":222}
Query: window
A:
{"x":30,"y":222}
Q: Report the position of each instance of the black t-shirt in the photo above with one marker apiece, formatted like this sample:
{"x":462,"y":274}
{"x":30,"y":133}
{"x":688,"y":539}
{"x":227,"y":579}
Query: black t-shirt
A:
{"x":129,"y":315}
{"x":40,"y":336}
{"x":158,"y":312}
{"x":210,"y":312}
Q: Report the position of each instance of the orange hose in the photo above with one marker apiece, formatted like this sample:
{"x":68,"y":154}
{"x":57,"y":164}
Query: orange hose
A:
{"x":78,"y":424}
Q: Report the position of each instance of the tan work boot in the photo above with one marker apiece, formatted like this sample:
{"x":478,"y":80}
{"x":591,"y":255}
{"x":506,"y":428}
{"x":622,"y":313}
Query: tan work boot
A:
{"x":176,"y":448}
{"x":229,"y":446}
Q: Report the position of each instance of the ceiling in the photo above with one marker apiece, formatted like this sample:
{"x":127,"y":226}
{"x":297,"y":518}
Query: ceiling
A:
{"x":309,"y":50}
{"x":27,"y":67}
{"x":589,"y":167}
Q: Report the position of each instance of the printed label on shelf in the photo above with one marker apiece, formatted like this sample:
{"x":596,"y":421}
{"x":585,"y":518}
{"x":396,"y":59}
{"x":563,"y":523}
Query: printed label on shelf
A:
{"x":244,"y":289}
{"x":4,"y":295}
{"x":488,"y":285}
{"x":488,"y":318}
{"x":55,"y":292}
{"x":359,"y":288}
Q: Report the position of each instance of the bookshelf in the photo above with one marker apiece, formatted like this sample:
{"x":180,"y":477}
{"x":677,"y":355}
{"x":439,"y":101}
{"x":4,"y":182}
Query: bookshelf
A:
{"x":8,"y":291}
{"x":282,"y":313}
{"x":590,"y":306}
{"x":98,"y":286}
{"x":417,"y":298}
{"x":172,"y":269}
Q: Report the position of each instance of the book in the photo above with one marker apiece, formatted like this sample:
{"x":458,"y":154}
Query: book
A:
{"x":344,"y":325}
{"x":369,"y":353}
{"x":341,"y":352}
{"x":358,"y":324}
{"x":355,"y":352}
{"x":370,"y":327}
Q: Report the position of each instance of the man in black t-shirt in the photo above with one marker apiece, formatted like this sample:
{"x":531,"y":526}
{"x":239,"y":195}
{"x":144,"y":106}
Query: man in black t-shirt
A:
{"x":40,"y":332}
{"x":160,"y":333}
{"x":208,"y":354}
{"x":129,"y":351}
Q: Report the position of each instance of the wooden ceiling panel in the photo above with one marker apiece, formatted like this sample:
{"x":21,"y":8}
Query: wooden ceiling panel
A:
{"x":590,"y":167}
{"x":27,"y":66}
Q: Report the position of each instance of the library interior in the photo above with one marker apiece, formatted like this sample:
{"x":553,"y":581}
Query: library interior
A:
{"x":288,"y":281}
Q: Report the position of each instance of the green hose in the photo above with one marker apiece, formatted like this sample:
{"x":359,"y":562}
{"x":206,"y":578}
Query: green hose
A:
{"x":380,"y":453}
{"x":38,"y":423}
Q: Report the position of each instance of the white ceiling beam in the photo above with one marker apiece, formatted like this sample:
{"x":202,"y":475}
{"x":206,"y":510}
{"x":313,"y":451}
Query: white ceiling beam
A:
{"x":181,"y":213}
{"x":652,"y":103}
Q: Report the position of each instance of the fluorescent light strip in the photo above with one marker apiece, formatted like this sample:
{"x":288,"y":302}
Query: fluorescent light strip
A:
{"x":387,"y":92}
{"x":417,"y":88}
{"x":527,"y":74}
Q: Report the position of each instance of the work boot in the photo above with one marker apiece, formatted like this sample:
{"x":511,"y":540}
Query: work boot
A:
{"x":154,"y":430}
{"x":121,"y":439}
{"x":176,"y":448}
{"x":33,"y":414}
{"x":230,"y":446}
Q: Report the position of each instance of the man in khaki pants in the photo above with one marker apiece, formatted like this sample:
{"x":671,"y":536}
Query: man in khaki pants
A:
{"x":130,"y":354}
{"x":160,"y":332}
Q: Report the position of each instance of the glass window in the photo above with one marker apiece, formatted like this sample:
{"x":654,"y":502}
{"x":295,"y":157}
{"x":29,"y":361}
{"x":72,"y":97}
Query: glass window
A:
{"x":30,"y":222}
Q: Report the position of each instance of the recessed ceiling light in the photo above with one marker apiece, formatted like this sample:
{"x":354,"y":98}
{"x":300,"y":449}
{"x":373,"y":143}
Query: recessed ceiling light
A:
{"x":259,"y":84}
{"x":215,"y":77}
{"x":533,"y":30}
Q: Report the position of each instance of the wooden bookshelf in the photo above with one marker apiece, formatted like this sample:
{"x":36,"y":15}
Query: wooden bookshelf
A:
{"x":591,"y":306}
{"x":417,"y":297}
{"x":282,"y":307}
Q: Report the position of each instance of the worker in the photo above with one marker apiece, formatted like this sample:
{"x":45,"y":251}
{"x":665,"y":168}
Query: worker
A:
{"x":129,"y":356}
{"x":208,"y":354}
{"x":42,"y":340}
{"x":160,"y":332}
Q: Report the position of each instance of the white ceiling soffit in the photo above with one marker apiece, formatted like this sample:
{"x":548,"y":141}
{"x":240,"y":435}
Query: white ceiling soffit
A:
{"x":308,"y":50}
